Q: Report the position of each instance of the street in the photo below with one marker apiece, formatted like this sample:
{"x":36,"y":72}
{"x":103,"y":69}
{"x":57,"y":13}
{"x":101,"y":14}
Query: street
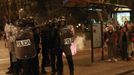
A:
{"x":83,"y":65}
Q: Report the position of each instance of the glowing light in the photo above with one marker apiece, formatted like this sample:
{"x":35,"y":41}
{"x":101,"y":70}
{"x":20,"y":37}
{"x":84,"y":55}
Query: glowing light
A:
{"x":79,"y":24}
{"x":21,"y":10}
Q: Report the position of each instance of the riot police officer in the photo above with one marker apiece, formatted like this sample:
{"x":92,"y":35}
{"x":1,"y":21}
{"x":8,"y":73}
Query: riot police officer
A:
{"x":26,"y":46}
{"x":66,"y":38}
{"x":36,"y":35}
{"x":45,"y":41}
{"x":54,"y":46}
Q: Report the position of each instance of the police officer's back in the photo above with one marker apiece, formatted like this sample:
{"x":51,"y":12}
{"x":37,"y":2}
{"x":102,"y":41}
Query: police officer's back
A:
{"x":25,"y":47}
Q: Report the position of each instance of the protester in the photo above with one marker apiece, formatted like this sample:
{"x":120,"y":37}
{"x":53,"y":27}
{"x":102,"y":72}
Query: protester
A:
{"x":111,"y":42}
{"x":124,"y":43}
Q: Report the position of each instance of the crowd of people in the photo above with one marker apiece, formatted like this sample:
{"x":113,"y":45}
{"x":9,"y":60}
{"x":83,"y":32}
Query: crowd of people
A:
{"x":24,"y":38}
{"x":120,"y":41}
{"x":52,"y":43}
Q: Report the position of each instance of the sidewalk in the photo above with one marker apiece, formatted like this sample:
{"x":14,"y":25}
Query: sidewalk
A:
{"x":84,"y":67}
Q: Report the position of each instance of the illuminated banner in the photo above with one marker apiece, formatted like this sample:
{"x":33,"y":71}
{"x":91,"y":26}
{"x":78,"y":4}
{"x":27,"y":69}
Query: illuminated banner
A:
{"x":122,"y":17}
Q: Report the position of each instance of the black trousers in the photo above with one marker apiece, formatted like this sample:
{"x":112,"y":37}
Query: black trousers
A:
{"x":66,"y":49}
{"x":45,"y":55}
{"x":124,"y":51}
{"x":35,"y":66}
{"x":53,"y":55}
{"x":28,"y":66}
{"x":69,"y":58}
{"x":11,"y":62}
{"x":59,"y":62}
{"x":16,"y":68}
{"x":56,"y":54}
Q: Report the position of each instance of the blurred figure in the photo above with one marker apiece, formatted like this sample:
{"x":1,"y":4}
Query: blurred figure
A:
{"x":45,"y":41}
{"x":66,"y":38}
{"x":36,"y":34}
{"x":124,"y":43}
{"x":26,"y":40}
{"x":21,"y":40}
{"x":132,"y":39}
{"x":10,"y":30}
{"x":111,"y":42}
{"x":117,"y":37}
{"x":130,"y":35}
{"x":55,"y":46}
{"x":7,"y":30}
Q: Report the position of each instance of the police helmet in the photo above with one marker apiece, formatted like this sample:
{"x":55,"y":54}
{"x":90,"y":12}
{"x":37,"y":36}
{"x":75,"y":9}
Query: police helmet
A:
{"x":62,"y":19}
{"x":30,"y":21}
{"x":54,"y":20}
{"x":21,"y":23}
{"x":22,"y":13}
{"x":49,"y":22}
